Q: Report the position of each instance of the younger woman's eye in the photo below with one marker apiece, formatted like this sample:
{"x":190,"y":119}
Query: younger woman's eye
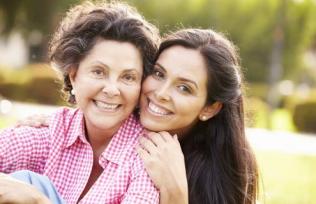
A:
{"x":158,"y":74}
{"x":185,"y":89}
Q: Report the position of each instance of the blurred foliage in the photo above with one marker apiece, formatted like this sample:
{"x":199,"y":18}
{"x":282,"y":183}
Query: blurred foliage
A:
{"x":34,"y":19}
{"x":258,"y":115}
{"x":249,"y":23}
{"x":253,"y":25}
{"x":35,"y":83}
{"x":256,"y":111}
{"x":29,"y":15}
{"x":298,"y":97}
{"x":304,"y":116}
{"x":282,"y":119}
{"x":258,"y":90}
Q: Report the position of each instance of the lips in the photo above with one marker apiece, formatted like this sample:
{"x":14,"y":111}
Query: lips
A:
{"x":109,"y":107}
{"x":157,"y":110}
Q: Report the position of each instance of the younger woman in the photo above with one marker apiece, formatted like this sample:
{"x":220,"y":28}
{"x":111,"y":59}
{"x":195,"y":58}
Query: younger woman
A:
{"x":195,"y":93}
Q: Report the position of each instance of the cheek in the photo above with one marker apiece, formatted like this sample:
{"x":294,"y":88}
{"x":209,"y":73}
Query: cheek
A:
{"x":150,"y":84}
{"x":132,"y":93}
{"x":188,"y":108}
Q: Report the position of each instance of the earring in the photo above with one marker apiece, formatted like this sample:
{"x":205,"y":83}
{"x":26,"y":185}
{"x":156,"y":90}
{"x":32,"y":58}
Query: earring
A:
{"x":204,"y":118}
{"x":72,"y":92}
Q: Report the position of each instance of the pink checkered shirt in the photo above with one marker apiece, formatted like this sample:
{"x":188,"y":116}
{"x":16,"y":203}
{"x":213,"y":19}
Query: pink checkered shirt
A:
{"x":62,"y":153}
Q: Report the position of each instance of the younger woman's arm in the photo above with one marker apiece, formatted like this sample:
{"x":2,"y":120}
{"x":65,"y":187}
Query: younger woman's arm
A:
{"x":164,"y":162}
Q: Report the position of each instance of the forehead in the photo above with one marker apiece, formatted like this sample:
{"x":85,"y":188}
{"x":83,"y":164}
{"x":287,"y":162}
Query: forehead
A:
{"x":115,"y":54}
{"x":179,"y":61}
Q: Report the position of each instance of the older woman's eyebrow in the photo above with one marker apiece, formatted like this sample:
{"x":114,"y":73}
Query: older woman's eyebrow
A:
{"x":103,"y":65}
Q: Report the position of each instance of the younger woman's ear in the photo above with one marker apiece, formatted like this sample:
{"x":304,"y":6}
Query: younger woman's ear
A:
{"x":210,"y":110}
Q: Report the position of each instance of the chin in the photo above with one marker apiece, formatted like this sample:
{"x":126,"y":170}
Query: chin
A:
{"x":152,"y":126}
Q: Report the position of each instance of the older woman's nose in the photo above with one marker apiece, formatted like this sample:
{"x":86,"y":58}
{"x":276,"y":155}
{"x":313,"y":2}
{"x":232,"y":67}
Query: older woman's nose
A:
{"x":111,"y":89}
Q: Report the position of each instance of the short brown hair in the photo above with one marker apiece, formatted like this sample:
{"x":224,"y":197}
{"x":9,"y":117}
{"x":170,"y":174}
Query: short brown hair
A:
{"x":85,"y":23}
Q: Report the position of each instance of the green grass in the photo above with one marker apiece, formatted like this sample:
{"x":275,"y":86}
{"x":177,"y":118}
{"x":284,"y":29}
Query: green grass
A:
{"x":6,"y":121}
{"x":287,"y":178}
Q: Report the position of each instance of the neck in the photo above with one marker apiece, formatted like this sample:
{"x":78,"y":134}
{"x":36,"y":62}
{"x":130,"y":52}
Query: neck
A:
{"x":99,"y":139}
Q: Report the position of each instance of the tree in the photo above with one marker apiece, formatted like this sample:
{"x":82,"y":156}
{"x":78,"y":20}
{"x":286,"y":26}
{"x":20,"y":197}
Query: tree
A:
{"x":34,"y":19}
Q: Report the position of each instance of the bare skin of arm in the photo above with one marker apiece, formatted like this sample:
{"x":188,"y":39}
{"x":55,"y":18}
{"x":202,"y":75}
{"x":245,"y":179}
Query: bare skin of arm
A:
{"x":39,"y":120}
{"x":16,"y":192}
{"x":164,"y":162}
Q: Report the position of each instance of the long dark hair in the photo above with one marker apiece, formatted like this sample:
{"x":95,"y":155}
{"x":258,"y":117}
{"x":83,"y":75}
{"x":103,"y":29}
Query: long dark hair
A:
{"x":221,"y":167}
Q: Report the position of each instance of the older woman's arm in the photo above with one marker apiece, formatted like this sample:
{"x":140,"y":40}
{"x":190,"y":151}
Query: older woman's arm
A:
{"x":24,"y":148}
{"x":17,"y":192}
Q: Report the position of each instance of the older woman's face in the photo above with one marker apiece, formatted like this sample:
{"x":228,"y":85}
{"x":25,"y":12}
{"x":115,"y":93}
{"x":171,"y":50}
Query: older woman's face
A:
{"x":174,"y":95}
{"x":107,"y":84}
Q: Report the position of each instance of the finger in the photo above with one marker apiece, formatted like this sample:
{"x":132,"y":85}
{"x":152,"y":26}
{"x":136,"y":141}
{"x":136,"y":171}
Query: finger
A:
{"x":156,"y":138}
{"x":143,"y":154}
{"x":37,"y":124}
{"x":4,"y":176}
{"x":20,"y":123}
{"x":45,"y":120}
{"x":147,"y":145}
{"x":166,"y":136}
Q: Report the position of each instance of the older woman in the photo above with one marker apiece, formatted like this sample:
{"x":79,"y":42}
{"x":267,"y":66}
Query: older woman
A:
{"x":102,"y":51}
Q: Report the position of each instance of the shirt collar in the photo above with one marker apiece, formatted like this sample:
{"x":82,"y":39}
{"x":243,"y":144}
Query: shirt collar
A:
{"x":76,"y":129}
{"x":122,"y":141}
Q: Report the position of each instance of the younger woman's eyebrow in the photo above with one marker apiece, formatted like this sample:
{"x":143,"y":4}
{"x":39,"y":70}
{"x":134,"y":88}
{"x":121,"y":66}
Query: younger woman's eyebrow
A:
{"x":181,"y":78}
{"x":161,"y":67}
{"x":189,"y":81}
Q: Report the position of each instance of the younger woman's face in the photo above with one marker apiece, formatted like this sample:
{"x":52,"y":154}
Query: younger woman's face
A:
{"x":174,"y":95}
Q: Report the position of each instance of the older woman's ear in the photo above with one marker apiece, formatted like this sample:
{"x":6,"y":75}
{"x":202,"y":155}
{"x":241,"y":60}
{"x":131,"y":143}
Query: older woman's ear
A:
{"x":72,"y":75}
{"x":210,"y":110}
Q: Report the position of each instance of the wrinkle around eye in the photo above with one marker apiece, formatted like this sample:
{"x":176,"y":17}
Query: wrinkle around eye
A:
{"x":130,"y":79}
{"x":98,"y":73}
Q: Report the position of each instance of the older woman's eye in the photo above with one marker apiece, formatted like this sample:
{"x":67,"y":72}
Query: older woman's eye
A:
{"x":98,"y":72}
{"x":129,"y":78}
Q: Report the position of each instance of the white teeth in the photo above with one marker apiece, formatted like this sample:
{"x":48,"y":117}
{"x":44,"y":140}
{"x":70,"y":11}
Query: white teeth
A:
{"x":106,"y":105}
{"x":157,"y":110}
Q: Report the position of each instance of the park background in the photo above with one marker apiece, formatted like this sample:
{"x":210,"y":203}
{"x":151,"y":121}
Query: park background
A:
{"x":277,"y":44}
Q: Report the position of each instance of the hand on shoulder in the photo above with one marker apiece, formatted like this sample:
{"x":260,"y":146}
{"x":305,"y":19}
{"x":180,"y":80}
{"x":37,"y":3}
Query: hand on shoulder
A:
{"x":164,"y":162}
